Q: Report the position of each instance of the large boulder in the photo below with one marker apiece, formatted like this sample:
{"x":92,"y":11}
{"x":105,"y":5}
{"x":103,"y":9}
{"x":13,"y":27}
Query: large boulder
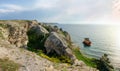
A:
{"x":38,"y":30}
{"x":54,"y":42}
{"x":37,"y":36}
{"x":57,"y":43}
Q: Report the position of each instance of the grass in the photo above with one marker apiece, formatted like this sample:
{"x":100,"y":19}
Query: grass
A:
{"x":88,"y":61}
{"x":54,"y":58}
{"x":3,"y":25}
{"x":8,"y":65}
{"x":64,"y":69}
{"x":1,"y":35}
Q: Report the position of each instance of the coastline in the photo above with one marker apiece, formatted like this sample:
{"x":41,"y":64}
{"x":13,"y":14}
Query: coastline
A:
{"x":33,"y":30}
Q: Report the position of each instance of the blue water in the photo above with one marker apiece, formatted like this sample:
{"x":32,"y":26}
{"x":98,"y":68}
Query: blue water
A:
{"x":105,"y":39}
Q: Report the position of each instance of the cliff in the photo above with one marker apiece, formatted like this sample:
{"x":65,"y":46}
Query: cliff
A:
{"x":35,"y":46}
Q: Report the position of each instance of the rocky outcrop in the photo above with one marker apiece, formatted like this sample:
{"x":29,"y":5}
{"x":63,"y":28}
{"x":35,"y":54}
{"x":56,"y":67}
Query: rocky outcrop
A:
{"x":38,"y":36}
{"x":15,"y":31}
{"x":87,"y":42}
{"x":50,"y":39}
{"x":38,"y":30}
{"x":56,"y":43}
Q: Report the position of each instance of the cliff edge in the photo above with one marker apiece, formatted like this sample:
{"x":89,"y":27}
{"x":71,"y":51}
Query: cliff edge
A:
{"x":35,"y":46}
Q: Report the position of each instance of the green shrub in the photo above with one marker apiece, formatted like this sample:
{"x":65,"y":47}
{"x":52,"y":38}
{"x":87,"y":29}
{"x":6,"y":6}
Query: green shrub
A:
{"x":1,"y":35}
{"x":36,"y":41}
{"x":42,"y":54}
{"x":88,"y":61}
{"x":3,"y":25}
{"x":65,"y":59}
{"x":54,"y":58}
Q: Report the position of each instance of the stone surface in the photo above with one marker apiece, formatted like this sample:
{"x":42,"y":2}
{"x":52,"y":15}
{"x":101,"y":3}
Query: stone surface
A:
{"x":56,"y":43}
{"x":15,"y":31}
{"x":29,"y":61}
{"x":79,"y":63}
{"x":38,"y":30}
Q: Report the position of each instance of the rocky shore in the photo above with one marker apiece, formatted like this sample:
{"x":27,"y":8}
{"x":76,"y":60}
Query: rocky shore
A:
{"x":36,"y":46}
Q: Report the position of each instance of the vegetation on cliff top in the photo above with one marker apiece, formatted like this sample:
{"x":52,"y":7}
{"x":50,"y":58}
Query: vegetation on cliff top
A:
{"x":1,"y":35}
{"x":88,"y":61}
{"x":54,"y":58}
{"x":8,"y":65}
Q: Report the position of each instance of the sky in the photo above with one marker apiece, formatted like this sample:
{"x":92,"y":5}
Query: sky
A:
{"x":61,"y":11}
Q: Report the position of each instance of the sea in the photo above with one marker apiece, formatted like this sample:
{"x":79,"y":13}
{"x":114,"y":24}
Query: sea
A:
{"x":105,"y":40}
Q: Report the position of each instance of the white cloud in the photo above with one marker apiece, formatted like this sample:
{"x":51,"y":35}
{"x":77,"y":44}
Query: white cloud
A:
{"x":74,"y":10}
{"x":7,"y":8}
{"x":14,"y":7}
{"x":45,"y":4}
{"x":91,"y":11}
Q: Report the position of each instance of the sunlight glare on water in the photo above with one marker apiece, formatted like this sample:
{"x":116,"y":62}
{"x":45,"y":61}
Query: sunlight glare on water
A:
{"x":115,"y":48}
{"x":118,"y":37}
{"x":105,"y":39}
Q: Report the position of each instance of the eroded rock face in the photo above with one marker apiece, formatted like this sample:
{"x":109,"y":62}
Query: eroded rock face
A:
{"x":17,"y":36}
{"x":37,"y":35}
{"x":15,"y":31}
{"x":56,"y":43}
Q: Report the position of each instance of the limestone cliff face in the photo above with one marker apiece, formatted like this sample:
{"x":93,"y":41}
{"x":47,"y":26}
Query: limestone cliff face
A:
{"x":15,"y":31}
{"x":25,"y":34}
